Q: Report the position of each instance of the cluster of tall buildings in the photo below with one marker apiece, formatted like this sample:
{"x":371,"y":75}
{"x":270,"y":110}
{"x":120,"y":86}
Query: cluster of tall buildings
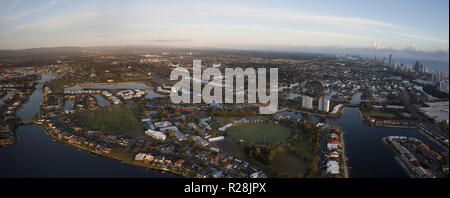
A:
{"x":443,"y":86}
{"x":390,"y":60}
{"x":438,"y":75}
{"x":419,"y":68}
{"x":323,"y":103}
{"x":307,"y":102}
{"x":401,"y":67}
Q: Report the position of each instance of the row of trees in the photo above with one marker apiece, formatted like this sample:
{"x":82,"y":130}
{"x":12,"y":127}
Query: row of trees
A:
{"x":233,"y":113}
{"x":263,"y":153}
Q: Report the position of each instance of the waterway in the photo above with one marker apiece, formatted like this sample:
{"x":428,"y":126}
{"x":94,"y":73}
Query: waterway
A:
{"x":367,"y":155}
{"x":36,"y":154}
{"x":6,"y":96}
{"x":152,"y":94}
{"x":29,"y":110}
{"x":298,"y":115}
{"x":108,"y":86}
{"x":68,"y":105}
{"x":101,"y":101}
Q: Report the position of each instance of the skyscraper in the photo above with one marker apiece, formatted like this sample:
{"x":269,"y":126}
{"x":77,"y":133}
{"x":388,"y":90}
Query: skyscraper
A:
{"x":416,"y":67}
{"x":443,"y":86}
{"x":390,"y":60}
{"x":324,"y":105}
{"x":307,"y":102}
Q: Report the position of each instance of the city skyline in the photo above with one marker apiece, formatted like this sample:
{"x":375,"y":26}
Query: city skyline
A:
{"x":404,"y":26}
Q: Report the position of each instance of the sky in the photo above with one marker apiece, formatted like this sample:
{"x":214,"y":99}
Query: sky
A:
{"x":397,"y":25}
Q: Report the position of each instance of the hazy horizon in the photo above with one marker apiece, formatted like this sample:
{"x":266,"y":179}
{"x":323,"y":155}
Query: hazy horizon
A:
{"x":404,"y":28}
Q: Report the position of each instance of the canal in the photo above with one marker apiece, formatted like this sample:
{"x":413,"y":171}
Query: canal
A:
{"x":37,"y":155}
{"x":367,"y":155}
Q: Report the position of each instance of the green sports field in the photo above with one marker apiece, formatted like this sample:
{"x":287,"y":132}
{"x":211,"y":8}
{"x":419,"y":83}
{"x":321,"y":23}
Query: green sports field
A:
{"x":119,"y":121}
{"x":258,"y":133}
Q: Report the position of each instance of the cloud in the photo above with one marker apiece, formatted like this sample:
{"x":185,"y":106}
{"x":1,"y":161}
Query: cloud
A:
{"x":424,"y":38}
{"x":411,"y":48}
{"x":376,"y":45}
{"x":19,"y":15}
{"x":442,"y":49}
{"x":286,"y":16}
{"x":414,"y":54}
{"x":170,"y":39}
{"x":206,"y":23}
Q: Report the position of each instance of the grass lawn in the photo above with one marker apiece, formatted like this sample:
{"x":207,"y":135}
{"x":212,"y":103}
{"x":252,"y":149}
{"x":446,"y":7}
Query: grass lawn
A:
{"x":258,"y":133}
{"x":291,"y":164}
{"x":380,"y":115}
{"x":119,"y":121}
{"x":285,"y":163}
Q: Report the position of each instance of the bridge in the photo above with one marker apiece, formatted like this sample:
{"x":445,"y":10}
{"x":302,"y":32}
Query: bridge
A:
{"x":307,"y":112}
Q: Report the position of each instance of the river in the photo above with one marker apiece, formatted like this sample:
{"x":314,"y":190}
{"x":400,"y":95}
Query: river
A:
{"x":36,"y":155}
{"x":367,"y":155}
{"x":6,"y":96}
{"x":108,"y":86}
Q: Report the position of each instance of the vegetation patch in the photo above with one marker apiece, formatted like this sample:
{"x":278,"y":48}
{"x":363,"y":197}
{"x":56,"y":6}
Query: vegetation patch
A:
{"x":117,"y":121}
{"x":298,"y":156}
{"x":258,"y":133}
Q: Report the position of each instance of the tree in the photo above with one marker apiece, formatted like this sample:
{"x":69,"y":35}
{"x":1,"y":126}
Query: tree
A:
{"x":214,"y":132}
{"x":178,"y":113}
{"x":170,"y":132}
{"x":272,"y":154}
{"x":103,"y":128}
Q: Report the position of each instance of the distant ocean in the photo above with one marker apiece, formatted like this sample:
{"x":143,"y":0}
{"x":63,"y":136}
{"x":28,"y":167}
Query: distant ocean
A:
{"x":431,"y":64}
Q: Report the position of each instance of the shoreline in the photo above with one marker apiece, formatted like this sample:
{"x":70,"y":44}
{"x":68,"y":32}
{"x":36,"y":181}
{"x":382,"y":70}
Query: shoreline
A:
{"x":109,"y":156}
{"x":383,"y":125}
{"x":398,"y":159}
{"x":327,"y":116}
{"x":417,"y":127}
{"x":421,"y":130}
{"x":346,"y":171}
{"x":111,"y":83}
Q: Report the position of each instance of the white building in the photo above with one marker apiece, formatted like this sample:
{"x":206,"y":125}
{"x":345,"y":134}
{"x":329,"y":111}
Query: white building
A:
{"x":324,"y":105}
{"x":200,"y":141}
{"x":173,"y":128}
{"x":130,"y":94}
{"x":156,"y":134}
{"x":140,"y":157}
{"x":332,"y":167}
{"x":216,"y":139}
{"x":225,"y":127}
{"x":307,"y":102}
{"x":438,"y":111}
{"x":444,"y":86}
{"x":336,"y":108}
{"x":163,"y":124}
{"x":332,"y":146}
{"x":181,"y":136}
